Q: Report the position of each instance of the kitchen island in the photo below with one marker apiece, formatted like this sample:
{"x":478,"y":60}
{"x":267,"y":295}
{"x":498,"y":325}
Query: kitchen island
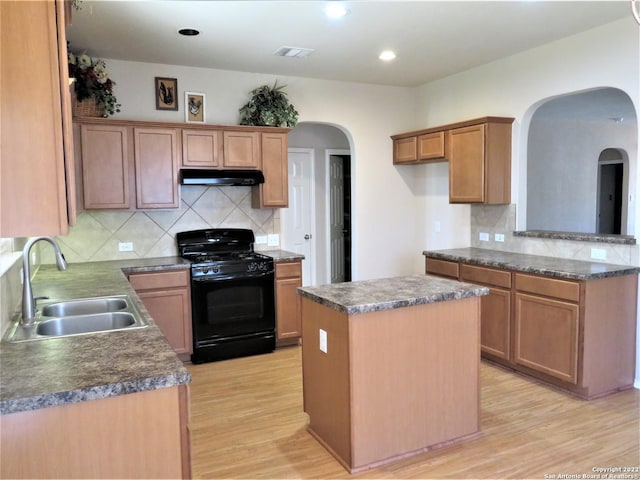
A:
{"x":391,"y":366}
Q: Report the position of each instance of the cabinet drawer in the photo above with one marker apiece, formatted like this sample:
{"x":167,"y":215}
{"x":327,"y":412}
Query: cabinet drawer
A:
{"x":293,"y":269}
{"x":156,"y":280}
{"x":489,"y":276}
{"x":549,"y":287}
{"x":442,"y":267}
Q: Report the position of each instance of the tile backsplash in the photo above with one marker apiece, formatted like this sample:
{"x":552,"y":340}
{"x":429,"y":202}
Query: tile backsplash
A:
{"x":97,"y":234}
{"x":501,"y":219}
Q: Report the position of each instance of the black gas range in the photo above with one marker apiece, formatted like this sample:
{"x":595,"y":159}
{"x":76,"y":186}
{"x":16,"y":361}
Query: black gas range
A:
{"x":232,"y":294}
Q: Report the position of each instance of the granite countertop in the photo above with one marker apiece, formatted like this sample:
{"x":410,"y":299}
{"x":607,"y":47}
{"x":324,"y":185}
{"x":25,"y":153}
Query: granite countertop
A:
{"x":58,"y":371}
{"x":280,"y":256}
{"x":389,"y":293}
{"x":549,"y":266}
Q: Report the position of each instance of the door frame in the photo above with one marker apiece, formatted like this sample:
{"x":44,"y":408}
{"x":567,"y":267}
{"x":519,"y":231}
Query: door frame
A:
{"x":327,"y":224}
{"x":623,"y":159}
{"x":313,"y":271}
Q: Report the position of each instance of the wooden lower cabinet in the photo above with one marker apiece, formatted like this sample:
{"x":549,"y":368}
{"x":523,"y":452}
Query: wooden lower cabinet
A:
{"x":546,"y":336}
{"x":576,"y":335}
{"x":167,"y":297}
{"x":288,"y":314}
{"x":138,"y":435}
{"x":495,"y":338}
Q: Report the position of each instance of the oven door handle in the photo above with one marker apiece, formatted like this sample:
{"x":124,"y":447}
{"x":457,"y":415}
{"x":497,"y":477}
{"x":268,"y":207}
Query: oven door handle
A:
{"x":222,"y":278}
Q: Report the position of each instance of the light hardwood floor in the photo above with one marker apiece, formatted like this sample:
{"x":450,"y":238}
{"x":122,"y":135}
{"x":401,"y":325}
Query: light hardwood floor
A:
{"x":247,"y":422}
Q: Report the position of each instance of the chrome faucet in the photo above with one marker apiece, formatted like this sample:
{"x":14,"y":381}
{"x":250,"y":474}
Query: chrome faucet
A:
{"x":28,"y":302}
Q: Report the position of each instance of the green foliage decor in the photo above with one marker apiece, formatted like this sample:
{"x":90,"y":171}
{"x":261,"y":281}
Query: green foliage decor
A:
{"x":92,"y":81}
{"x":269,"y":107}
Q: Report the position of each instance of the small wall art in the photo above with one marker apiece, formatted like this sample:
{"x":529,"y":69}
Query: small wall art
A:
{"x":194,"y":107}
{"x":166,"y":93}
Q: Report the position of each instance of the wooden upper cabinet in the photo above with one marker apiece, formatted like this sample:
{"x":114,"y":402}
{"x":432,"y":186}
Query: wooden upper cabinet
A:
{"x":466,"y":165}
{"x":157,"y":162}
{"x":479,"y":155}
{"x":241,"y":150}
{"x":432,"y":146}
{"x":105,"y":167}
{"x":422,"y":148}
{"x":201,"y":148}
{"x":274,"y":192}
{"x":480,"y":163}
{"x":35,"y":147}
{"x":405,"y":150}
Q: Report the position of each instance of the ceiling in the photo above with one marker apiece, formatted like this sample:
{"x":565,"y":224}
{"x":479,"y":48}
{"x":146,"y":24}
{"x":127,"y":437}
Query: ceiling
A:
{"x":432,"y":39}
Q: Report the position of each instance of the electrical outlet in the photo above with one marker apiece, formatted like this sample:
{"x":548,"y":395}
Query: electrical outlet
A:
{"x":261,"y":239}
{"x":499,"y":237}
{"x":125,"y":246}
{"x":273,"y":240}
{"x":598,"y":254}
{"x":484,"y":237}
{"x":323,"y":341}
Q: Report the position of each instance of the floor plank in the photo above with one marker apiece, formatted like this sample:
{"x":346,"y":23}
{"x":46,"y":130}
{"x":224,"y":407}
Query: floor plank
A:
{"x":247,"y":422}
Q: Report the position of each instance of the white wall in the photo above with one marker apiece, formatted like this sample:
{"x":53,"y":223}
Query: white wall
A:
{"x":367,"y":114}
{"x":515,"y":86}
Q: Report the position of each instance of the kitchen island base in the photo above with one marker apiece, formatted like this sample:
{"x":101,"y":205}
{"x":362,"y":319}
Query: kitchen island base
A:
{"x":392,"y":383}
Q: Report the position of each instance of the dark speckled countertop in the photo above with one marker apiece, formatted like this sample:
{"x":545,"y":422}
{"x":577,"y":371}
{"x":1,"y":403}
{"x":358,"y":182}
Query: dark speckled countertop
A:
{"x":549,"y":266}
{"x":389,"y":293}
{"x":65,"y":370}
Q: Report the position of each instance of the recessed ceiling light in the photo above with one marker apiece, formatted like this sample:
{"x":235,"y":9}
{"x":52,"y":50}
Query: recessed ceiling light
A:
{"x":336,"y":10}
{"x":297,"y":52}
{"x":387,"y":55}
{"x":188,"y":32}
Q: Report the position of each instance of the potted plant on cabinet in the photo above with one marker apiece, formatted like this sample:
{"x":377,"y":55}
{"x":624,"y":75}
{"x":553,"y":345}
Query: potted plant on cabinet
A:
{"x":92,"y":86}
{"x":269,"y":107}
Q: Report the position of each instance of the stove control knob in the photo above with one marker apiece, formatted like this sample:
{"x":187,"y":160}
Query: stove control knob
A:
{"x":215,"y":269}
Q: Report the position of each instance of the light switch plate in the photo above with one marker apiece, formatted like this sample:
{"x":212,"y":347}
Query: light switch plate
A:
{"x":323,"y":341}
{"x":598,"y":254}
{"x":484,"y":237}
{"x":261,"y":239}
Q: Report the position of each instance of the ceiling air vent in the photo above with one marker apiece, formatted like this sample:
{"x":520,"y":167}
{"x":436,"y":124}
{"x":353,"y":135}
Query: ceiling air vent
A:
{"x":296,"y":52}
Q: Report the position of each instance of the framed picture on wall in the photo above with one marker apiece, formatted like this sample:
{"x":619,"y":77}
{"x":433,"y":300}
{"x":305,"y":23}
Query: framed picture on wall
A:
{"x":194,"y":107}
{"x":166,"y":93}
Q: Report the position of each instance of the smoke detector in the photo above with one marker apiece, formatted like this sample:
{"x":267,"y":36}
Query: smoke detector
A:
{"x":293,"y":52}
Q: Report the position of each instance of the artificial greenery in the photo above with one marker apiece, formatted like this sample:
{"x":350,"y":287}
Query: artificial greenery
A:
{"x":92,"y":81}
{"x":269,"y":107}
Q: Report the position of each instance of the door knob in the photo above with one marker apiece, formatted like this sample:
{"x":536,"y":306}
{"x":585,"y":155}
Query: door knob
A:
{"x":307,"y":236}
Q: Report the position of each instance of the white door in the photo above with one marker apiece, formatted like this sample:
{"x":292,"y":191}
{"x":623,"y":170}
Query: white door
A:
{"x":336,"y":228}
{"x":298,"y":220}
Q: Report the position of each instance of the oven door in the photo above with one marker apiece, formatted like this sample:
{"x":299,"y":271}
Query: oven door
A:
{"x":231,"y":307}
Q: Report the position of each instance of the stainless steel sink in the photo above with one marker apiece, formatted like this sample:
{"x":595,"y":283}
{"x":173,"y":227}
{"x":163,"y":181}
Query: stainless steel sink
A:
{"x":79,"y":317}
{"x":85,"y":306}
{"x":74,"y":325}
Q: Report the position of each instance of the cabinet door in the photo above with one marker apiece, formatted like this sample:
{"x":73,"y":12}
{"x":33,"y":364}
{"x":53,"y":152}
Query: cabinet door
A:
{"x":546,"y":336}
{"x":156,"y":160}
{"x":405,"y":150}
{"x":170,"y":311}
{"x":495,"y":334}
{"x":33,"y":152}
{"x":274,"y":191}
{"x":466,"y":164}
{"x":288,"y":303}
{"x":105,"y":166}
{"x":201,"y":148}
{"x":431,"y":146}
{"x":242,"y":150}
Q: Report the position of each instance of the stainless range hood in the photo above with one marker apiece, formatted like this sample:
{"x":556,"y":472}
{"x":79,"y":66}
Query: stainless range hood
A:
{"x":192,"y":176}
